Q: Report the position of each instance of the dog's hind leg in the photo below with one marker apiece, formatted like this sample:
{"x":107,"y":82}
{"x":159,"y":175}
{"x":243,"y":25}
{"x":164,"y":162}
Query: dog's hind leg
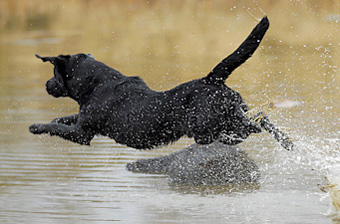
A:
{"x":239,"y":130}
{"x":281,"y":137}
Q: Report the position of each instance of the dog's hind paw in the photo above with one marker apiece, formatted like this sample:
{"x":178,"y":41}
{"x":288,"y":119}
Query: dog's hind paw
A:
{"x":281,"y":137}
{"x":286,"y":143}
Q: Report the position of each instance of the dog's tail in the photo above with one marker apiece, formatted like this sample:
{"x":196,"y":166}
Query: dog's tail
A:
{"x":222,"y":71}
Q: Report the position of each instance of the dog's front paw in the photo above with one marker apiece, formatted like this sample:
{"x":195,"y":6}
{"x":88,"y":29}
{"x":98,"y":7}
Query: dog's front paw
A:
{"x":37,"y":129}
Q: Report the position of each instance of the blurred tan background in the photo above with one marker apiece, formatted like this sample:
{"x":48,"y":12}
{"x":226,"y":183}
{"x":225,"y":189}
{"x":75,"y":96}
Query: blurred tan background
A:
{"x":121,"y":31}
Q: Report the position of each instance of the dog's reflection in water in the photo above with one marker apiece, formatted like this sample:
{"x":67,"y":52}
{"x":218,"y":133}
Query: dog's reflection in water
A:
{"x":213,"y":164}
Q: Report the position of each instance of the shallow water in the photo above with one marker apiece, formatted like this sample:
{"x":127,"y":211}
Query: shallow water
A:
{"x":47,"y":180}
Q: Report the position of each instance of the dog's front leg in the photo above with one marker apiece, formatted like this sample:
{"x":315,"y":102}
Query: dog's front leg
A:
{"x":68,"y":120}
{"x":74,"y":133}
{"x":245,"y":122}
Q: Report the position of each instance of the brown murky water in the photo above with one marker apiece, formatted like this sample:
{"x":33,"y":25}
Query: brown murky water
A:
{"x":47,"y":180}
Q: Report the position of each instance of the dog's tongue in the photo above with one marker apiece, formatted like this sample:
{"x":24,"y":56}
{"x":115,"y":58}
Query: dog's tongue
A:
{"x":281,"y":137}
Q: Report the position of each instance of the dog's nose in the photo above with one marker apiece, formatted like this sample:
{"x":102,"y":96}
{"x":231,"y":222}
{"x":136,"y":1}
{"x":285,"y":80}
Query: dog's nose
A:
{"x":49,"y":86}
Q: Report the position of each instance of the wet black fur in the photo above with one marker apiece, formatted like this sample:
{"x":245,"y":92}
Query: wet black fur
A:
{"x":127,"y":110}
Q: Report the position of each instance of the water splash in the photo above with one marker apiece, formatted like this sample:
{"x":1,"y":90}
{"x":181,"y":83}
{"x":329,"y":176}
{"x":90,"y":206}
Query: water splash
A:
{"x":333,"y":177}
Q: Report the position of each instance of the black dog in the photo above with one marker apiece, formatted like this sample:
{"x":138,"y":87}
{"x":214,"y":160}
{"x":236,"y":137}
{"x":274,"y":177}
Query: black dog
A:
{"x":127,"y":110}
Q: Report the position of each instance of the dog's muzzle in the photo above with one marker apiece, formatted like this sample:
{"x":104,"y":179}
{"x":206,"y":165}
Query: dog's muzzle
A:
{"x":55,"y":88}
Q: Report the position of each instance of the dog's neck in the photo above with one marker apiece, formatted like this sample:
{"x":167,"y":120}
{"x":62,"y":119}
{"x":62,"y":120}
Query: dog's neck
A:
{"x":82,"y":92}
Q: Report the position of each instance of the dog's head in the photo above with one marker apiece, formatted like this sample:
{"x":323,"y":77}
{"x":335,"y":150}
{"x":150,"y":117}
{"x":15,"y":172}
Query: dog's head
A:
{"x":67,"y":80}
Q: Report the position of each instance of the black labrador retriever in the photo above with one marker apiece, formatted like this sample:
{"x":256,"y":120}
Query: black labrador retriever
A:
{"x":127,"y":110}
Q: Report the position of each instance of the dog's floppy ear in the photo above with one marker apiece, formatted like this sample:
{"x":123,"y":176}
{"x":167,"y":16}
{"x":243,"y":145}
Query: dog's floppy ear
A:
{"x":44,"y":59}
{"x":58,"y":62}
{"x":54,"y":60}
